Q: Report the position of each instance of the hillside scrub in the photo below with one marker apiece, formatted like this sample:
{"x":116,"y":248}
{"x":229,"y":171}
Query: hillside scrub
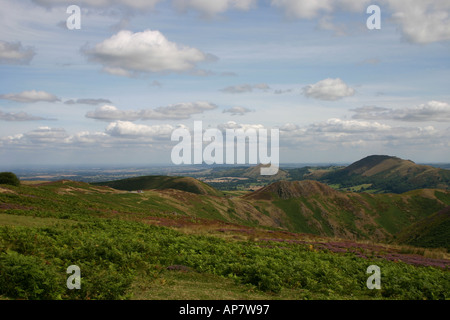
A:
{"x":112,"y":253}
{"x":9,"y":178}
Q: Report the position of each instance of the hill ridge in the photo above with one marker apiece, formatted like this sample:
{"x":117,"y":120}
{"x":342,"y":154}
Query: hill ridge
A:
{"x":292,"y":189}
{"x":160,"y":182}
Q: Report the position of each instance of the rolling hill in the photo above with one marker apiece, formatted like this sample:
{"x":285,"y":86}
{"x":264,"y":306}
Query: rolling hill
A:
{"x":313,"y":207}
{"x":287,"y":240}
{"x":382,"y":173}
{"x":187,"y":184}
{"x":430,"y":232}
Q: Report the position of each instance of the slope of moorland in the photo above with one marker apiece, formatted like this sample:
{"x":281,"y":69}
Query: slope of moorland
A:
{"x":312,"y":207}
{"x":187,"y":184}
{"x":373,"y":174}
{"x":431,"y":232}
{"x":388,"y":174}
{"x":173,"y":244}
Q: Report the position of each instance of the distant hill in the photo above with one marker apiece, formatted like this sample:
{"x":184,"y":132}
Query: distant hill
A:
{"x":187,"y":184}
{"x":389,"y":174}
{"x":297,"y":206}
{"x":430,"y":232}
{"x":291,"y":189}
{"x":313,"y":207}
{"x":253,"y":172}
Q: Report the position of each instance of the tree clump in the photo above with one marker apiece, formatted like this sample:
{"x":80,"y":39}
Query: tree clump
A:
{"x":9,"y":178}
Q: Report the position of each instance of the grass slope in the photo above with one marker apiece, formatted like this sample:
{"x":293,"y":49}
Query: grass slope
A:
{"x":389,"y":174}
{"x":430,"y":232}
{"x":187,"y":184}
{"x":312,"y":207}
{"x":135,"y":246}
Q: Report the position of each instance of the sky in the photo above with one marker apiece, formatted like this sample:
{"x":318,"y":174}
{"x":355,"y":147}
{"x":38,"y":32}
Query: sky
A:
{"x":113,"y":91}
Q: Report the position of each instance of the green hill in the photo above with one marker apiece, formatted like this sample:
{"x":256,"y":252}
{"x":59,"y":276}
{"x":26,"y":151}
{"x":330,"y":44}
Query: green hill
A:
{"x":187,"y":184}
{"x":388,"y":174}
{"x":174,"y":244}
{"x":430,"y":232}
{"x":313,"y":207}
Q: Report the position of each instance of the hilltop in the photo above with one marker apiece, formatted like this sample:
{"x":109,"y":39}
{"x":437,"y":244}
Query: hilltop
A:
{"x":291,"y":189}
{"x":373,"y":174}
{"x":381,"y":173}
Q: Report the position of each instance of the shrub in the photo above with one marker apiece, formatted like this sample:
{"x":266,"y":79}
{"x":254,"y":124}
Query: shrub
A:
{"x":9,"y":178}
{"x":28,"y":277}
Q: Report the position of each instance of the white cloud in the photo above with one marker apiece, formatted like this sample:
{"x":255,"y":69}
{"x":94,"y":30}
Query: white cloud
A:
{"x":328,"y":89}
{"x":237,"y":111}
{"x":235,"y":125}
{"x":19,"y":116}
{"x":422,"y":21}
{"x":127,"y":53}
{"x":337,"y":133}
{"x":15,"y":53}
{"x":30,"y":96}
{"x":131,"y":130}
{"x":172,"y":112}
{"x":431,"y":111}
{"x":243,"y":88}
{"x":45,"y":135}
{"x":348,"y":126}
{"x":87,"y":101}
{"x":304,"y":9}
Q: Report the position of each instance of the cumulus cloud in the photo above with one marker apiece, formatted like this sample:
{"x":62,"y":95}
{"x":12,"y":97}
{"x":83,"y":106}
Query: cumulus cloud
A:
{"x":234,"y":125}
{"x":338,"y":133}
{"x":39,"y":136}
{"x":348,"y":126}
{"x":289,"y":127}
{"x":116,"y":134}
{"x":172,"y":112}
{"x":132,"y":130}
{"x":127,"y":53}
{"x":328,"y":89}
{"x":243,"y":88}
{"x":437,"y":111}
{"x":303,"y":8}
{"x":422,"y":21}
{"x":30,"y":96}
{"x":15,"y":53}
{"x":88,"y":101}
{"x":237,"y":111}
{"x":19,"y":116}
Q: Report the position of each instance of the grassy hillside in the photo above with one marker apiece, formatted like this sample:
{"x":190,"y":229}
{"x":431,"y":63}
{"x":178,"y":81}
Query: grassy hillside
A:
{"x":388,"y":174}
{"x":187,"y":184}
{"x":430,"y":232}
{"x":312,"y":207}
{"x":153,"y":246}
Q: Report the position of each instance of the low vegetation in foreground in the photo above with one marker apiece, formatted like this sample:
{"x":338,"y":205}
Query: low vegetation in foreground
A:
{"x":126,"y":249}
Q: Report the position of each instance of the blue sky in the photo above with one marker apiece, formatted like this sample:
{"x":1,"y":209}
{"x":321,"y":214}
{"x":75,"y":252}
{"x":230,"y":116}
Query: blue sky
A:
{"x":113,"y":91}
